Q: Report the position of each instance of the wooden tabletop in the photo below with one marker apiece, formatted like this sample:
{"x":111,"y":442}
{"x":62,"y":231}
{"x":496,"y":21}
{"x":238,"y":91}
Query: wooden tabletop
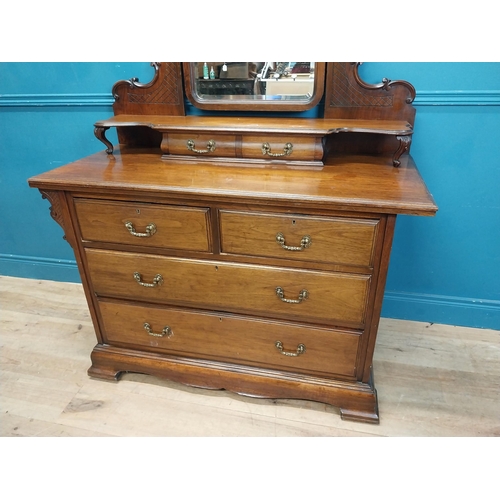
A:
{"x":359,"y":184}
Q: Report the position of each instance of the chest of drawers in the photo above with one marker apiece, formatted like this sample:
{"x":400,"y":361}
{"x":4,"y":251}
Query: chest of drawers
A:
{"x":237,"y":279}
{"x":239,"y":253}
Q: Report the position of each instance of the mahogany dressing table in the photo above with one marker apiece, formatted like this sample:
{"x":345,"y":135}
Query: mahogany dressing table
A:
{"x":246,"y":253}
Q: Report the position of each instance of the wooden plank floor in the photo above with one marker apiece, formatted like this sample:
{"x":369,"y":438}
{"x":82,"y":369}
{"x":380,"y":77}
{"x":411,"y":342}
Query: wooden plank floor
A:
{"x":432,"y":380}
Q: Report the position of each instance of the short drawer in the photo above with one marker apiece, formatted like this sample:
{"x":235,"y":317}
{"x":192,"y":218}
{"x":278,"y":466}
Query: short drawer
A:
{"x":282,"y":147}
{"x":230,"y":338}
{"x":331,"y":240}
{"x":203,"y":145}
{"x":144,"y":224}
{"x":319,"y":297}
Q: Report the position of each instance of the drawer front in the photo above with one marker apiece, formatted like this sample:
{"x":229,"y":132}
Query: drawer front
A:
{"x":315,"y":239}
{"x":231,"y":338}
{"x":330,"y":298}
{"x":282,"y":147}
{"x":201,"y":145}
{"x":144,"y":224}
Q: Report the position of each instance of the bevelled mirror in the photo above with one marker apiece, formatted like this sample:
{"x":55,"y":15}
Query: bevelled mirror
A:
{"x":254,"y":86}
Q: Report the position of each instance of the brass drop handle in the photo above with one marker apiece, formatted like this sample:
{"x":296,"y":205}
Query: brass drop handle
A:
{"x":305,"y":242}
{"x":210,"y":147}
{"x":301,"y":349}
{"x":167,"y":331}
{"x":157,"y":280}
{"x":150,"y":230}
{"x":287,"y":150}
{"x":281,"y":294}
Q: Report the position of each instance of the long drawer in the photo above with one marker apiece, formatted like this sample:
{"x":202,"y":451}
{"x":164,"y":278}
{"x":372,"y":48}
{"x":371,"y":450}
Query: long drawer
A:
{"x":323,"y":297}
{"x":249,"y":146}
{"x":144,"y":224}
{"x":334,"y":240}
{"x":231,"y":338}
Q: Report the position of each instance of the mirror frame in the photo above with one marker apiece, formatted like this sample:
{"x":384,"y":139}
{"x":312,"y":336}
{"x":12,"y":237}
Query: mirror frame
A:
{"x":249,"y":105}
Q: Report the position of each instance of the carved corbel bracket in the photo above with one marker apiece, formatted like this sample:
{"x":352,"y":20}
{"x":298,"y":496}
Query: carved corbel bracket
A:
{"x":56,"y":210}
{"x":100,"y":133}
{"x":404,"y":147}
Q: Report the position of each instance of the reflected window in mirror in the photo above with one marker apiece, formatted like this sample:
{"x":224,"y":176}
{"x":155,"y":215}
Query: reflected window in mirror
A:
{"x":288,"y":86}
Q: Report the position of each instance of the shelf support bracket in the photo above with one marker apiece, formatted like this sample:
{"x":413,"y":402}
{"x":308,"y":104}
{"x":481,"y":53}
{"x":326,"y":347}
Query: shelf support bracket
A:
{"x":100,"y":133}
{"x":404,"y":147}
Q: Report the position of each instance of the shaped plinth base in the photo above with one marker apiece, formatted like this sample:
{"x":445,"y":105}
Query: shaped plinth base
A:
{"x":356,"y":400}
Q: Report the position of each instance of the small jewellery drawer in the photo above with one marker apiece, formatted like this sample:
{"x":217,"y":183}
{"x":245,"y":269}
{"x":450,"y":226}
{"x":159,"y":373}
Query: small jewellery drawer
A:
{"x":231,"y":338}
{"x":322,"y":297}
{"x":282,"y":147}
{"x":199,"y":145}
{"x":144,"y":224}
{"x":333,"y":240}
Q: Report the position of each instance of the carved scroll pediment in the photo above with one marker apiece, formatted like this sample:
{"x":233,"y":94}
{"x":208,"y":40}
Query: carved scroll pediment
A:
{"x":164,"y":94}
{"x":348,"y":96}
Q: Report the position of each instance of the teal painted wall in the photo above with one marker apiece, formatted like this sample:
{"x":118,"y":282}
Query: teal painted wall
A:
{"x":444,"y":269}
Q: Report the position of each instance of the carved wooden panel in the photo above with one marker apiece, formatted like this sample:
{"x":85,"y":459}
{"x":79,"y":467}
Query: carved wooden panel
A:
{"x":347,"y":96}
{"x":164,"y":95}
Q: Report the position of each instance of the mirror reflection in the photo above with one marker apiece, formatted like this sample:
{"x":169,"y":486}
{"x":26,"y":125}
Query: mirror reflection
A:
{"x":289,"y":81}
